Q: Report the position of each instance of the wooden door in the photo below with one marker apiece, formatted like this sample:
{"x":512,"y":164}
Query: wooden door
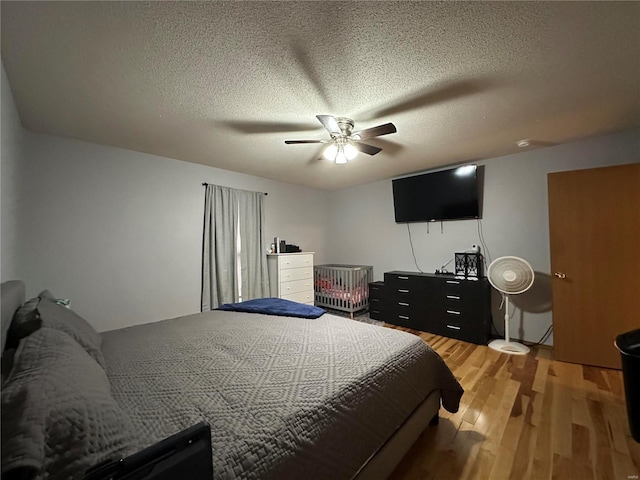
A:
{"x":594,"y":229}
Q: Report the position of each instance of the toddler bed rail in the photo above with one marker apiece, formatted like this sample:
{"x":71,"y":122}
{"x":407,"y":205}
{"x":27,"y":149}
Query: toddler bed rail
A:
{"x":342,"y":287}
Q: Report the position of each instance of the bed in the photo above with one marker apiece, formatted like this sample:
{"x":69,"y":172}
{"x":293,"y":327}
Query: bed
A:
{"x":285,"y":397}
{"x":342,"y":287}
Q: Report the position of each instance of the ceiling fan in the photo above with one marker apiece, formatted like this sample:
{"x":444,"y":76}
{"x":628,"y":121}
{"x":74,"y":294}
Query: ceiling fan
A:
{"x":345,"y":144}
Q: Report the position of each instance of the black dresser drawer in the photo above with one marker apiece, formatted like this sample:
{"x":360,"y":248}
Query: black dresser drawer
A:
{"x":375,"y":303}
{"x":398,"y":281}
{"x":446,"y":307}
{"x":376,"y":313}
{"x":404,"y":319}
{"x":467,"y":329}
{"x":470,"y":290}
{"x":376,"y":290}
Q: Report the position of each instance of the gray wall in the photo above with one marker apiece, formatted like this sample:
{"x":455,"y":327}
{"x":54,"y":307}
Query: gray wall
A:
{"x":515,"y":222}
{"x":119,"y":232}
{"x":12,"y":140}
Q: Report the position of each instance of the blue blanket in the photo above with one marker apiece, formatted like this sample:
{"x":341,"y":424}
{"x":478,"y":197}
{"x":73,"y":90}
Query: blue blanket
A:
{"x":274,"y":306}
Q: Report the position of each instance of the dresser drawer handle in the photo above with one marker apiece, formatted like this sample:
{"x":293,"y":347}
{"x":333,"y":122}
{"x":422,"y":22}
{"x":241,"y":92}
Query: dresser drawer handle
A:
{"x":404,"y":317}
{"x":455,"y":282}
{"x":403,"y":304}
{"x":403,"y":278}
{"x":453,"y":312}
{"x":453,"y":297}
{"x":453,"y":327}
{"x":403,"y":291}
{"x":375,"y":299}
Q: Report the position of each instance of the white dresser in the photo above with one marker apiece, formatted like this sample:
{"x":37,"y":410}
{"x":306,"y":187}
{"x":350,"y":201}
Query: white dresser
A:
{"x":291,"y":276}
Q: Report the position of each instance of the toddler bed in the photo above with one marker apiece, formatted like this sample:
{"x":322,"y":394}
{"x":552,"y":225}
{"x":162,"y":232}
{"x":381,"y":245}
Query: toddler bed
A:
{"x":285,"y":397}
{"x":342,"y":287}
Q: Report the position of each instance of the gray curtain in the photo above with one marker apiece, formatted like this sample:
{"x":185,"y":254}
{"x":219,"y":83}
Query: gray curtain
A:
{"x":234,"y":258}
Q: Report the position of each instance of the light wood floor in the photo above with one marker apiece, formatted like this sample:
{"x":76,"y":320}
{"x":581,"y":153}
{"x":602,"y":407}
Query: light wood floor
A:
{"x":525,"y":417}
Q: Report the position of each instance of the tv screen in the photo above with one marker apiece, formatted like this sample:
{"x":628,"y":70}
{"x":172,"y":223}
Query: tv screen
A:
{"x":445,"y":195}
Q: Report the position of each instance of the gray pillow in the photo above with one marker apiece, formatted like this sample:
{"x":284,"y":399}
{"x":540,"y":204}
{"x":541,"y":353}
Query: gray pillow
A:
{"x":25,"y":321}
{"x":47,"y":295}
{"x":61,"y":318}
{"x":58,"y":415}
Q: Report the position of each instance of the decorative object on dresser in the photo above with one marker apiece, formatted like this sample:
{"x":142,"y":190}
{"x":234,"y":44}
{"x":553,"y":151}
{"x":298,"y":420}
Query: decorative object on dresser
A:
{"x":468,"y":264}
{"x":510,"y":276}
{"x":448,"y":305}
{"x":291,"y":276}
{"x":342,"y":287}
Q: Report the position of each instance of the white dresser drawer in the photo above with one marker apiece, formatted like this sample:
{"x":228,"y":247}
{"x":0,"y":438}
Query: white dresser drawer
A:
{"x":296,"y":286}
{"x":300,"y":297}
{"x":295,"y":261}
{"x":290,"y":274}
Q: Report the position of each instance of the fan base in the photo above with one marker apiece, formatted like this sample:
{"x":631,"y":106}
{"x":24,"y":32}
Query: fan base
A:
{"x":512,"y":348}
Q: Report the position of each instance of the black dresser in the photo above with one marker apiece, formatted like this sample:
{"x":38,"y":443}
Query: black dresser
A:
{"x":446,"y":305}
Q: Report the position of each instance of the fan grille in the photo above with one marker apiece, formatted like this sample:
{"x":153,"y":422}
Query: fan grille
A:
{"x":511,"y":275}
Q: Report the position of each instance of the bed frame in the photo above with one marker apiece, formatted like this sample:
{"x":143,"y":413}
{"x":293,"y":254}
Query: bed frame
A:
{"x":386,"y":459}
{"x":381,"y":463}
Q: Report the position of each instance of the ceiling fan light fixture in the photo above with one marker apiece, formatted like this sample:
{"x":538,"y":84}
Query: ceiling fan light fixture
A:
{"x":341,"y":157}
{"x":330,"y":152}
{"x":350,"y":151}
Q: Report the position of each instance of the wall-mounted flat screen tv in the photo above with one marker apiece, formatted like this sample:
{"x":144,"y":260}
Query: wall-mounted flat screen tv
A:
{"x":452,"y":194}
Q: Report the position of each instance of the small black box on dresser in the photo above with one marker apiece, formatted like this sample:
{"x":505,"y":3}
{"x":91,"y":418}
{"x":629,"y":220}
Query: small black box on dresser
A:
{"x":448,"y":305}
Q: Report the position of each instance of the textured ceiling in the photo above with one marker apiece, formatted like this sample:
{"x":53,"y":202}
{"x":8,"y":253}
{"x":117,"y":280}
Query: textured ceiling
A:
{"x":225,"y":83}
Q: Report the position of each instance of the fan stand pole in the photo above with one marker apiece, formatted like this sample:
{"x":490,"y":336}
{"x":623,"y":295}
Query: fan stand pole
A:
{"x":507,"y":338}
{"x":506,"y":345}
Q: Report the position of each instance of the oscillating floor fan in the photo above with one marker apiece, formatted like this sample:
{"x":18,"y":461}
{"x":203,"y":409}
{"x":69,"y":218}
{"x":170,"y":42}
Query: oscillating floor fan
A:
{"x":510,"y":276}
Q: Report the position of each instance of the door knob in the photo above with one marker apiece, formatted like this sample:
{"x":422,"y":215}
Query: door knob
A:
{"x":560,"y":275}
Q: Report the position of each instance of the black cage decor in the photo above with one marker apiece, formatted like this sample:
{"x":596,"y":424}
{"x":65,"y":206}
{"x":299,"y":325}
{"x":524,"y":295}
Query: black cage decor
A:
{"x":469,"y":264}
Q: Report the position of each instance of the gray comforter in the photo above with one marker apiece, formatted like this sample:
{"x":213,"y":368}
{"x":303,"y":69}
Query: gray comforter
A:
{"x":285,"y":397}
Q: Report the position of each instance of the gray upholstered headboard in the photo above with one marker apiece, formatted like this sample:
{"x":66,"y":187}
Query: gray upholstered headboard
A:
{"x":13,"y":293}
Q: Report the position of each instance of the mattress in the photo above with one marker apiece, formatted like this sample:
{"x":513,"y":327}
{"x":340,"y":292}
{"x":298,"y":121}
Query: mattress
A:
{"x":285,"y":397}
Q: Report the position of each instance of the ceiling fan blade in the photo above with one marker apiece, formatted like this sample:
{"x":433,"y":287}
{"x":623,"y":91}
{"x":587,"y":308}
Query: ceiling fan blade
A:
{"x":385,"y":129}
{"x":365,"y":148}
{"x":292,"y":142}
{"x":330,"y":123}
{"x":389,"y":146}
